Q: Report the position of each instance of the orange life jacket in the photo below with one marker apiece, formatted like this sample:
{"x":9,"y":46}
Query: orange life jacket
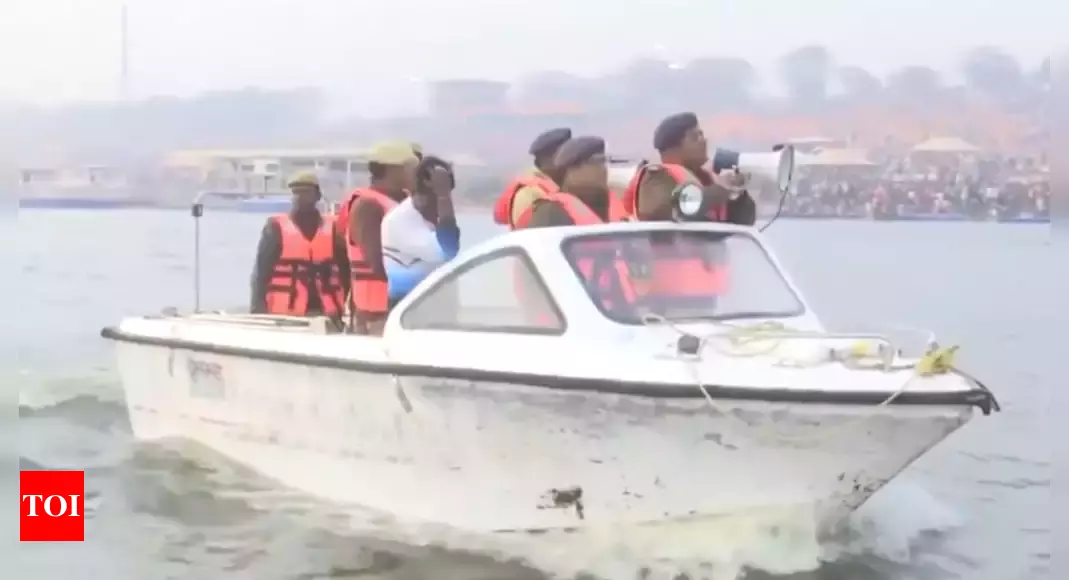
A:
{"x":369,"y":294}
{"x":503,"y":205}
{"x":679,"y":274}
{"x":341,"y":212}
{"x":617,"y":210}
{"x":676,"y":273}
{"x":304,"y":266}
{"x":681,"y":175}
{"x":598,"y":264}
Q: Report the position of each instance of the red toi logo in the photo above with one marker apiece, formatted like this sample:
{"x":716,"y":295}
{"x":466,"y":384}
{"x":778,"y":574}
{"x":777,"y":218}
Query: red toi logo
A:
{"x":53,"y":506}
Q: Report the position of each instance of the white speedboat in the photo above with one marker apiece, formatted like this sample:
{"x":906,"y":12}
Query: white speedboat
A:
{"x":505,"y":396}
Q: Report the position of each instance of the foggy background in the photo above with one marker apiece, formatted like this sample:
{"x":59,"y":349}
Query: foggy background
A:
{"x":272,"y":73}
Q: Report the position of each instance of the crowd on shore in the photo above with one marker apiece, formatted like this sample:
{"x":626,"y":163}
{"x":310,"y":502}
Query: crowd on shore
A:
{"x":961,"y":188}
{"x":970,"y":186}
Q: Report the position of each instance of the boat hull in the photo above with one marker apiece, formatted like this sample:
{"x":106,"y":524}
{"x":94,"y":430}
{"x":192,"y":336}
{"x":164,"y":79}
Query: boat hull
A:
{"x":487,"y":457}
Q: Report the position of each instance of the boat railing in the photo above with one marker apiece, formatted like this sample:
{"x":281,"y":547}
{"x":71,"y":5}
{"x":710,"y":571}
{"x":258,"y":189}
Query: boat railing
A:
{"x":826,"y":335}
{"x":245,"y":318}
{"x":887,"y":351}
{"x":313,"y":325}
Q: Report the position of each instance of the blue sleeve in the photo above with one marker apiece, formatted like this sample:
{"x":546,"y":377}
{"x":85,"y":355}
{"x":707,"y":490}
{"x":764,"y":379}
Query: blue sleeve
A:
{"x":402,"y":280}
{"x":448,"y":234}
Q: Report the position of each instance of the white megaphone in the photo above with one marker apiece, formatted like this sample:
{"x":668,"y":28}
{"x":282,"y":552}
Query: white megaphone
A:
{"x":777,"y":165}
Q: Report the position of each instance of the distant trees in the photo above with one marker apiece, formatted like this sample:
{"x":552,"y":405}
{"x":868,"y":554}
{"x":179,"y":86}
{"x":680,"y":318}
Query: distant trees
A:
{"x":805,"y":72}
{"x":718,"y":82}
{"x":809,"y":76}
{"x":650,"y":85}
{"x":560,"y":87}
{"x":646,"y":85}
{"x":914,"y":84}
{"x":248,"y":117}
{"x":1041,"y":76}
{"x":859,"y":84}
{"x":995,"y":73}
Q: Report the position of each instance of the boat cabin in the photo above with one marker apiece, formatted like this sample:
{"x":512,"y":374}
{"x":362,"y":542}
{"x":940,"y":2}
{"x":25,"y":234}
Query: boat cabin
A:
{"x":552,"y":300}
{"x":569,"y":295}
{"x":609,"y":308}
{"x":547,"y":280}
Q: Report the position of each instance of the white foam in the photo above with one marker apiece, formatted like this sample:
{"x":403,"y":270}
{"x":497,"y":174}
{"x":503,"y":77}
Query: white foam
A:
{"x":778,"y":541}
{"x":892,"y":520}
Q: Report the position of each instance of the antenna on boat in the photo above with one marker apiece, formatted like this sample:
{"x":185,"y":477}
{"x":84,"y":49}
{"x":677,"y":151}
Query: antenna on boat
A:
{"x":197,"y":210}
{"x":124,"y":55}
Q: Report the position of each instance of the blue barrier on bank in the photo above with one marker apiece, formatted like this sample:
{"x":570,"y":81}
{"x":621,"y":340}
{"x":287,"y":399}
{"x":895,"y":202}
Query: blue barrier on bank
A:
{"x":80,"y":203}
{"x":281,"y":204}
{"x":944,"y":217}
{"x":265,"y":205}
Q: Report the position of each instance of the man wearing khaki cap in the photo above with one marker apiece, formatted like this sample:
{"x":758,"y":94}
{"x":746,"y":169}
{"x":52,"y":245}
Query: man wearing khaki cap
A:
{"x":392,"y":166}
{"x":302,"y":267}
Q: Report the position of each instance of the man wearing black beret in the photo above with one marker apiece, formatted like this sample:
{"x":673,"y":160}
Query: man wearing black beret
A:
{"x":582,"y":166}
{"x":517,"y":198}
{"x":681,"y":143}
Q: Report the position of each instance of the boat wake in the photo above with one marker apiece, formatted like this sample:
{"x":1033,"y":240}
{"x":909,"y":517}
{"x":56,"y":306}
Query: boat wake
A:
{"x":883,"y":539}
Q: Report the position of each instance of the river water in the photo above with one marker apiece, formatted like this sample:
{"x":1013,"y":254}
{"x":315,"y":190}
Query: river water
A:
{"x":975,"y":508}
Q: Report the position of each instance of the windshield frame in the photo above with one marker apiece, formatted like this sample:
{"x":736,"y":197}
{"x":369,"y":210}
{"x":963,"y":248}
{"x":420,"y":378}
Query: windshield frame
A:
{"x":800,"y":308}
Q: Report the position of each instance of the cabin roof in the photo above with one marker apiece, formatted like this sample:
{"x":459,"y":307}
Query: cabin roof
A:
{"x":540,"y":236}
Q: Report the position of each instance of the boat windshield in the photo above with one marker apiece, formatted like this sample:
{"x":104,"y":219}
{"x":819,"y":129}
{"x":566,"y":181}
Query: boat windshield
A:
{"x":681,"y":276}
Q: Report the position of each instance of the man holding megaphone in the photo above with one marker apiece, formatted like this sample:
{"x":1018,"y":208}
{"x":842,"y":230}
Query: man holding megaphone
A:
{"x":685,"y":272}
{"x":650,"y":196}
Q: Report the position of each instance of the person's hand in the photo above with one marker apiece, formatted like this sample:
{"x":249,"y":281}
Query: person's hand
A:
{"x":732,"y":180}
{"x":727,"y":185}
{"x":441,"y":181}
{"x":436,"y":176}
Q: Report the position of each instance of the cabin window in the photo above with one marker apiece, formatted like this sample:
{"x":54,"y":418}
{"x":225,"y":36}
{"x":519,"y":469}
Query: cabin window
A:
{"x":680,"y":276}
{"x":500,"y":292}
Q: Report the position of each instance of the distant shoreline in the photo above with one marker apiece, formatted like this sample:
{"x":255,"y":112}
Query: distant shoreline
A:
{"x":84,"y":204}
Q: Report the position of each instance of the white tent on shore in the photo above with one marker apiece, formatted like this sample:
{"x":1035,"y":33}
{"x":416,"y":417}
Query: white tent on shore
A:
{"x":946,"y":145}
{"x":835,"y":158}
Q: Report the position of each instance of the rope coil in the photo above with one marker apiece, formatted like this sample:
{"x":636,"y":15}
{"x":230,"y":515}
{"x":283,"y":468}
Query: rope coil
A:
{"x":764,"y":339}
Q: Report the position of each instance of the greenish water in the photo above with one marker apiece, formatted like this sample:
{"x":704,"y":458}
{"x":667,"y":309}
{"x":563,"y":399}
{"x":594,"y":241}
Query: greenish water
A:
{"x":976,"y":508}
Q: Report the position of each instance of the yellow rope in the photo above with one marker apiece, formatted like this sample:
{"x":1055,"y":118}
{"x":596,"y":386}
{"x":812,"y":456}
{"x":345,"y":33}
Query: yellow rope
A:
{"x":936,"y":361}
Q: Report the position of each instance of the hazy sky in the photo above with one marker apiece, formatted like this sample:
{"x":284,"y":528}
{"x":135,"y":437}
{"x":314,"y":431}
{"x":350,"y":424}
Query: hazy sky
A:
{"x":61,"y":50}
